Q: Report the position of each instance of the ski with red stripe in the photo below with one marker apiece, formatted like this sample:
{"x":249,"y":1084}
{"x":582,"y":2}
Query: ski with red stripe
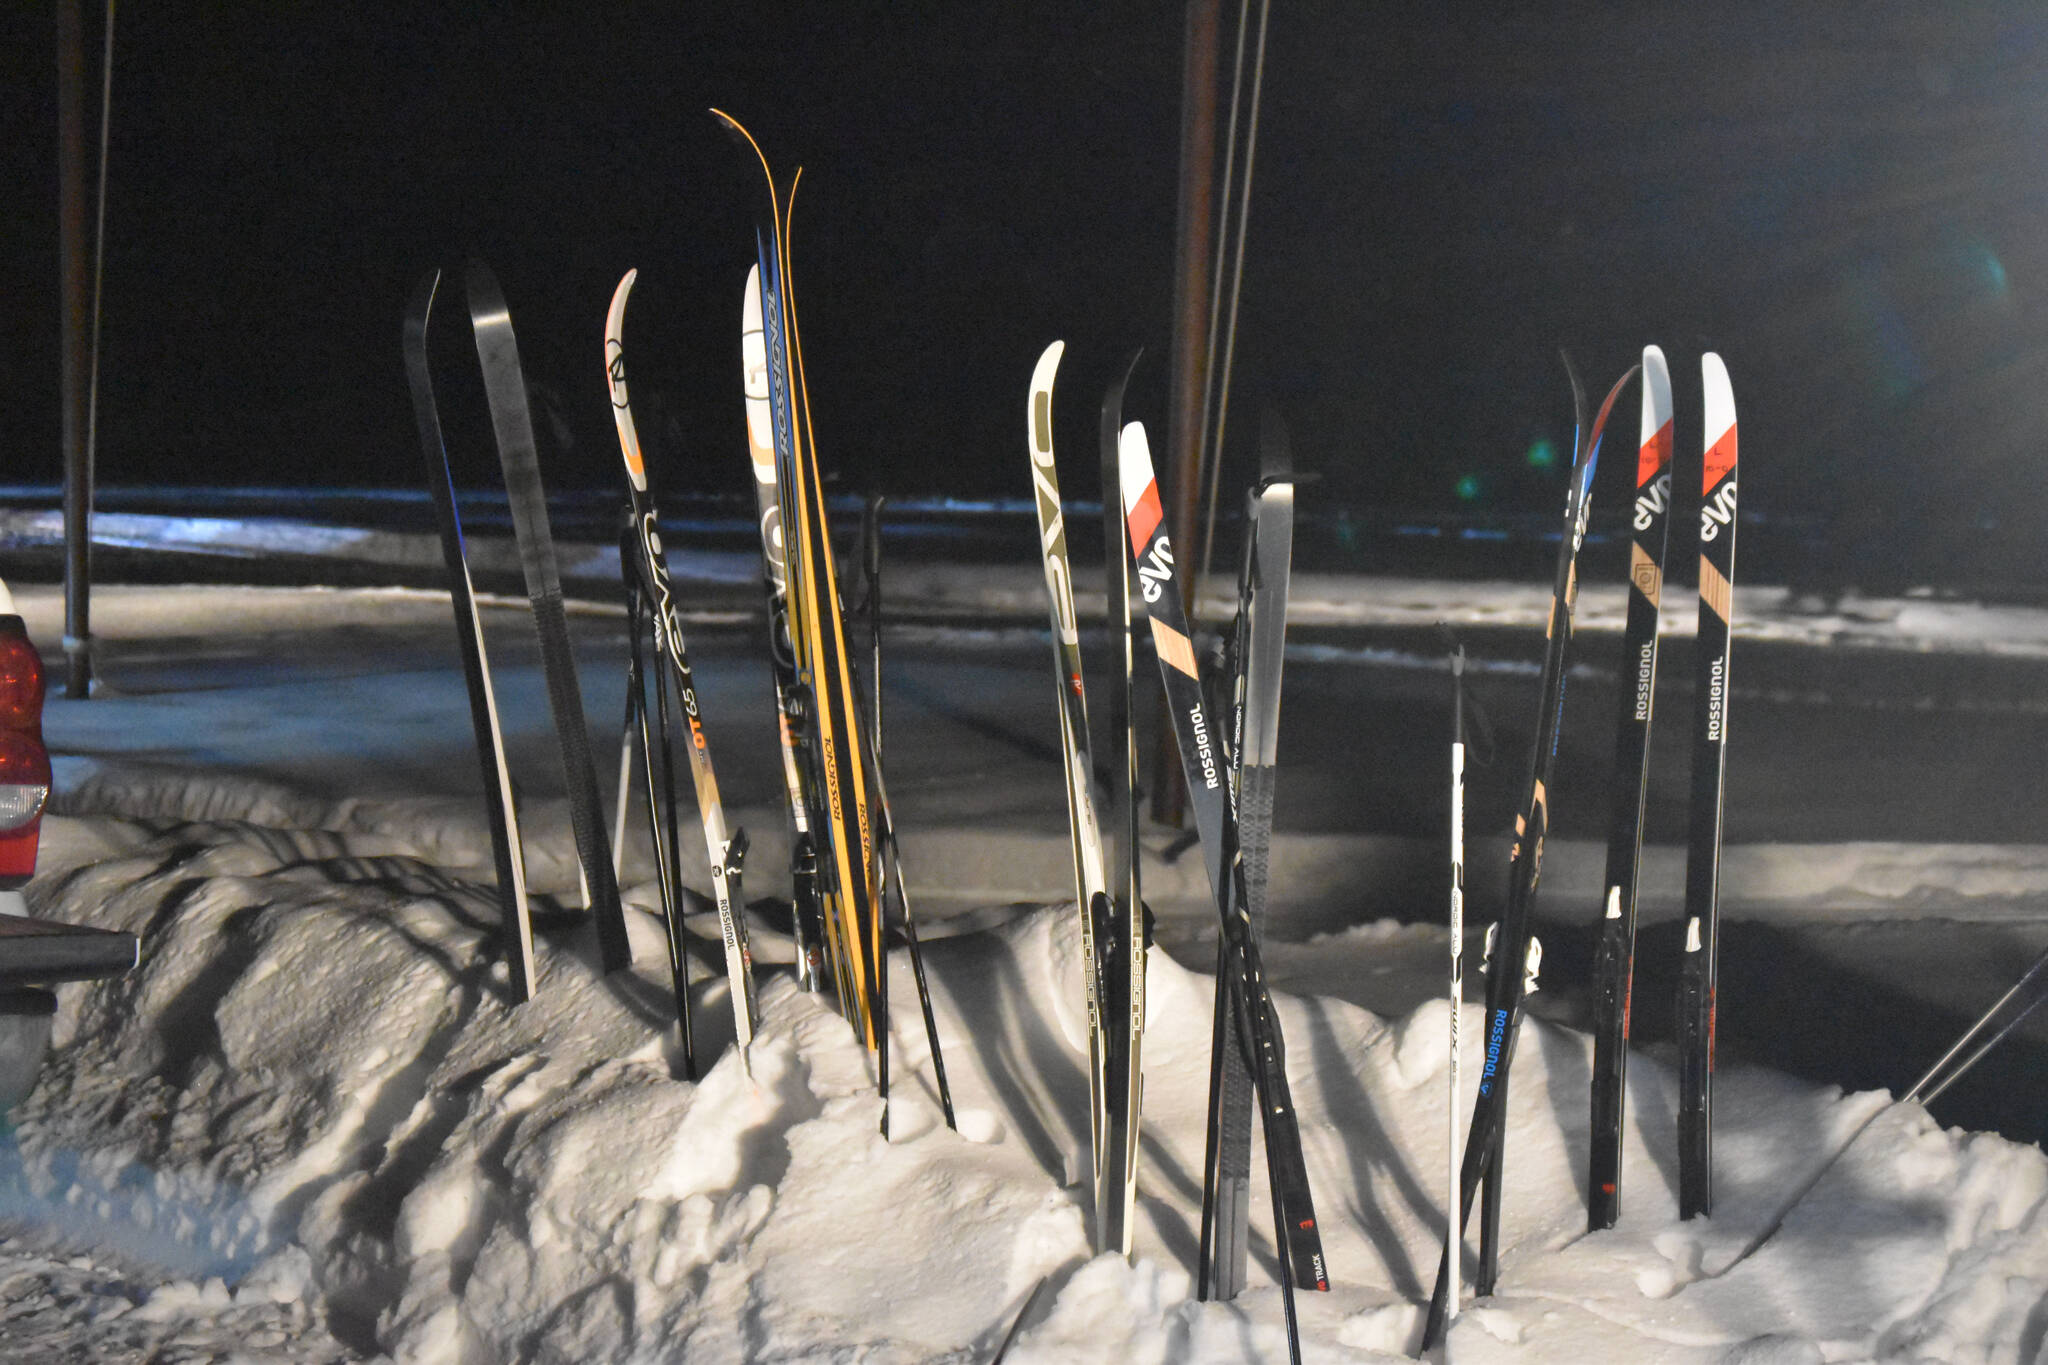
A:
{"x":1614,"y":967}
{"x":1699,"y":969}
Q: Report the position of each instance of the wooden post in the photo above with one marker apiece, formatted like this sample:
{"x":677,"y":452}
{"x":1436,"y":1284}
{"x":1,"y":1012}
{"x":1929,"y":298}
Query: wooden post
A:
{"x":1195,"y":249}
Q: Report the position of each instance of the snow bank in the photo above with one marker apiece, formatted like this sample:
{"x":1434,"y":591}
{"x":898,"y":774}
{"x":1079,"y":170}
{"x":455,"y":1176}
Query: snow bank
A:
{"x":313,"y":1110}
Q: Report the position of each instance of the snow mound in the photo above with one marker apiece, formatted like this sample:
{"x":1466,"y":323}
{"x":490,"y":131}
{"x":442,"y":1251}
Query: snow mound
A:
{"x":313,"y":1116}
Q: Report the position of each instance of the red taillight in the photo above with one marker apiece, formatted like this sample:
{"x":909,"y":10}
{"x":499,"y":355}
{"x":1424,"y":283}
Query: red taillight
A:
{"x":21,"y":680}
{"x":24,"y":763}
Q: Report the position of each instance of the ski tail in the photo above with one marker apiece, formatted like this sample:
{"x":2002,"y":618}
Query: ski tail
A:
{"x":500,"y":809}
{"x":1699,"y":968}
{"x":1614,"y":966}
{"x":512,"y":425}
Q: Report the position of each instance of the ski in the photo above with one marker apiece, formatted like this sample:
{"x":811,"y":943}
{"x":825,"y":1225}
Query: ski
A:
{"x":1091,"y":879}
{"x":724,"y":851}
{"x":806,"y":912}
{"x":830,"y":702}
{"x":505,"y":390}
{"x":500,"y":809}
{"x":1258,"y":651}
{"x":1123,"y":935}
{"x":1699,"y":968}
{"x":1614,"y":965}
{"x":1513,"y":954}
{"x":1295,"y":1233}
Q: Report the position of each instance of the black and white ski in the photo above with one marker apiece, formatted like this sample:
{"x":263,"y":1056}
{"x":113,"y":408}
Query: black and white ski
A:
{"x":1513,"y":954}
{"x":505,"y":391}
{"x":1090,"y":876}
{"x":724,"y":851}
{"x":1258,"y":652}
{"x":1121,"y":937}
{"x":1614,"y":966}
{"x":1204,"y":766}
{"x":1699,"y":967}
{"x":500,"y":809}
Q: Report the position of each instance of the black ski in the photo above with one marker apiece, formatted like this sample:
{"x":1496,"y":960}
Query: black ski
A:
{"x":1257,"y":653}
{"x":1121,"y":936}
{"x":1512,"y":954}
{"x":500,"y":810}
{"x":1203,"y":765}
{"x":1614,"y":967}
{"x":1699,"y":968}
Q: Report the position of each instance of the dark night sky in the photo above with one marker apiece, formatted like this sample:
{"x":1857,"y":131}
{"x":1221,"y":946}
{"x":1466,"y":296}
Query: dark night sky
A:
{"x":1845,"y":199}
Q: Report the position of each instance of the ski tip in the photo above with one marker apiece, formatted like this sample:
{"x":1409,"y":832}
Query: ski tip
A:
{"x":1717,"y":397}
{"x":750,"y":307}
{"x":1656,"y":395}
{"x":1039,"y":411}
{"x":421,"y":305}
{"x":486,"y":299}
{"x":1134,"y":466}
{"x":615,"y":318}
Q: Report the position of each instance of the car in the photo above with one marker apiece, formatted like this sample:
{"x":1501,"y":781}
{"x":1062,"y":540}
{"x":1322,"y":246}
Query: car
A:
{"x":36,"y":953}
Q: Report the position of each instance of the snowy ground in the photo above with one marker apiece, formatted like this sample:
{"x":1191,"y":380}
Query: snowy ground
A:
{"x":310,"y":1127}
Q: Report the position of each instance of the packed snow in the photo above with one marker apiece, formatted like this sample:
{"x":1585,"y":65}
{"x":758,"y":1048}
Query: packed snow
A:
{"x":312,"y":1126}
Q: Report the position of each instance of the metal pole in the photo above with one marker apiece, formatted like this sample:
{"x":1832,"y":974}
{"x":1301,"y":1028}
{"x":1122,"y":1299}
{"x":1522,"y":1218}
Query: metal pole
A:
{"x":73,"y":385}
{"x":1195,"y":247}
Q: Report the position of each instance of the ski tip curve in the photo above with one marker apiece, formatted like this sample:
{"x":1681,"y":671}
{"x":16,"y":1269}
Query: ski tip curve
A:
{"x":421,"y":305}
{"x":1039,"y":411}
{"x":1133,"y":465}
{"x":615,"y":378}
{"x":1048,"y":365}
{"x":1717,"y":397}
{"x":486,"y":299}
{"x":1656,"y":392}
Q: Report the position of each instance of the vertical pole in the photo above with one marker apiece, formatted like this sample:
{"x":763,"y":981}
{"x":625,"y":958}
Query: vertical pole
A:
{"x":71,"y":267}
{"x":1194,"y":248}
